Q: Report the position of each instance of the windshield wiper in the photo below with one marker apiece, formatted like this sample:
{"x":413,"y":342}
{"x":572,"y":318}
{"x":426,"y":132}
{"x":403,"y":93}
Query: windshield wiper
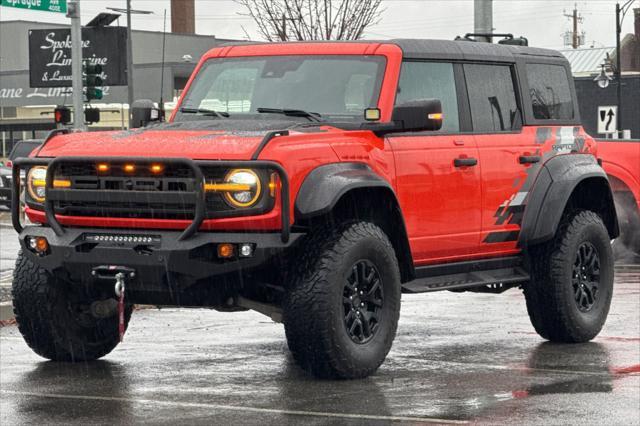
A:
{"x":312,"y":116}
{"x":204,"y":112}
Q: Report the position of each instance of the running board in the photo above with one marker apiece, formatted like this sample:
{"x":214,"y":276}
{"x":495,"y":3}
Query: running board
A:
{"x":489,"y":280}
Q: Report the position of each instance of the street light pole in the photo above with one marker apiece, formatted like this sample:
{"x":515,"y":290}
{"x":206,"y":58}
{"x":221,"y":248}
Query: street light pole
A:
{"x":619,"y":67}
{"x":73,"y":12}
{"x":129,"y":60}
{"x":621,"y":12}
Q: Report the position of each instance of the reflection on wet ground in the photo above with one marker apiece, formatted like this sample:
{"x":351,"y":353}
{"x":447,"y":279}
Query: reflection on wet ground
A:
{"x":458,"y":358}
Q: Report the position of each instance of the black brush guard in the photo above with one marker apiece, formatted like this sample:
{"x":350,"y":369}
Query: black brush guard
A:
{"x":197,"y":197}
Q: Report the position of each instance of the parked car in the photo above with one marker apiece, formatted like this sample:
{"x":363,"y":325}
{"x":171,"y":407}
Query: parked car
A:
{"x":621,"y":160}
{"x":22,"y":149}
{"x":5,"y":185}
{"x":315,"y":183}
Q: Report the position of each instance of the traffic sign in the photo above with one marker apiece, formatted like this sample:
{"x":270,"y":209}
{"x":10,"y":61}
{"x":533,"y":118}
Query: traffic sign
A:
{"x":59,"y":6}
{"x":607,"y":119}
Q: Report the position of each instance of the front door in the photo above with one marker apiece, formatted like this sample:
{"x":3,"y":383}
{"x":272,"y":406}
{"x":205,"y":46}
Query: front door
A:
{"x":438,"y":173}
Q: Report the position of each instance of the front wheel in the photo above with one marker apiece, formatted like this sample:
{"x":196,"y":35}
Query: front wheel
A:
{"x":571,"y":285}
{"x":341,"y":310}
{"x":55,"y":317}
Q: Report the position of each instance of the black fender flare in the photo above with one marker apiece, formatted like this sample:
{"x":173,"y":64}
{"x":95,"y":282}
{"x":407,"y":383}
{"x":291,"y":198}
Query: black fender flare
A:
{"x":324,"y":186}
{"x":555,"y":184}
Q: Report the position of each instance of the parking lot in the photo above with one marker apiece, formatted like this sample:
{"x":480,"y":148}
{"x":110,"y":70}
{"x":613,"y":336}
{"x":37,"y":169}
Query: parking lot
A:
{"x":458,"y":358}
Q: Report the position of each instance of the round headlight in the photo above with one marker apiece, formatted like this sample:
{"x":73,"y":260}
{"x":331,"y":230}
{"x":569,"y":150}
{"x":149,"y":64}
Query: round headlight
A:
{"x":243,"y":198}
{"x":36,"y":183}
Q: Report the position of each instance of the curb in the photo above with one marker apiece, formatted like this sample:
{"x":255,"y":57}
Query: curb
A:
{"x":6,"y":311}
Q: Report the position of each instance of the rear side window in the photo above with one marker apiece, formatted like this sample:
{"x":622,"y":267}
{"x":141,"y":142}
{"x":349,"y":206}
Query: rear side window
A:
{"x":492,"y":98}
{"x":550,"y":92}
{"x":431,"y":80}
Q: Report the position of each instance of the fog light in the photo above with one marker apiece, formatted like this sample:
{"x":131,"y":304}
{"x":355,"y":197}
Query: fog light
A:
{"x":246,"y":250}
{"x":226,"y":251}
{"x":39,"y":245}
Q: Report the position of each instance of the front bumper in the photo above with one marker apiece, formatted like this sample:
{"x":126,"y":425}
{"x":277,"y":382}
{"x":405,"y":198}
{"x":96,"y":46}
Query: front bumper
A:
{"x":77,"y":256}
{"x":177,"y":267}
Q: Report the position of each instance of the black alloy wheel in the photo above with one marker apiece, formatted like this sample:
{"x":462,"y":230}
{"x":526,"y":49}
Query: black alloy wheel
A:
{"x":362,"y":300}
{"x":586,"y":276}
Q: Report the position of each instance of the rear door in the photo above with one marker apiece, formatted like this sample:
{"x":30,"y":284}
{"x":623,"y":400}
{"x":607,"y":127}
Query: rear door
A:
{"x":506,"y":153}
{"x":438,"y":178}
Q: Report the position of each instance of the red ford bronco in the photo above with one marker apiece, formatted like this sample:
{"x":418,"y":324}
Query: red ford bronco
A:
{"x":315,"y":183}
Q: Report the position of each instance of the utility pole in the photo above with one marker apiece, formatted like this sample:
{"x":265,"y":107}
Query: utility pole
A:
{"x":483,"y":18}
{"x":129,"y":61}
{"x":73,"y":12}
{"x":576,"y":41}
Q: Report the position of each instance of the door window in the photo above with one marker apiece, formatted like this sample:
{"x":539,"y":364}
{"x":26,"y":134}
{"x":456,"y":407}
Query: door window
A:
{"x":431,"y":80}
{"x":492,"y":98}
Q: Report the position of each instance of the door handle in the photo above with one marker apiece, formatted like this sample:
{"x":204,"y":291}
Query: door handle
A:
{"x":465,"y":162}
{"x":529,"y":159}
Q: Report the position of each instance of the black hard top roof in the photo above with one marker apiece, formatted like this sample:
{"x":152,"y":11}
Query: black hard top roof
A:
{"x":453,"y":49}
{"x":469,"y":50}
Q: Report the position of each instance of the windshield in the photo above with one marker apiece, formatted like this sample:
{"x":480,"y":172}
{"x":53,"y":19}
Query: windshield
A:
{"x":313,"y":88}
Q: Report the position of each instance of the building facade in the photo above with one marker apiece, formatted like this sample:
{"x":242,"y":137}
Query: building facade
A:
{"x":27,"y":112}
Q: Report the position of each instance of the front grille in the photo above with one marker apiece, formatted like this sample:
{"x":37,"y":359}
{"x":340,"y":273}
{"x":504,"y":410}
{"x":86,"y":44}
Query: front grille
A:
{"x":174,"y":179}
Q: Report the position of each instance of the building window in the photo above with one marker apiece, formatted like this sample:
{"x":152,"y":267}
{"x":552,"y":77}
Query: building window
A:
{"x":431,"y":80}
{"x":492,"y":98}
{"x":550,"y":92}
{"x":9,"y":112}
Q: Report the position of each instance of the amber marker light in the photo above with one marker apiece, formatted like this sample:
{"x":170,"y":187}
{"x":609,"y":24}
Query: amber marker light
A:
{"x":103,"y":167}
{"x":157,"y":168}
{"x":38,"y":245}
{"x":226,"y":251}
{"x":226,"y":187}
{"x":372,"y":114}
{"x":273,"y":184}
{"x":61,"y":183}
{"x":42,"y":245}
{"x":436,"y":116}
{"x":129,"y":168}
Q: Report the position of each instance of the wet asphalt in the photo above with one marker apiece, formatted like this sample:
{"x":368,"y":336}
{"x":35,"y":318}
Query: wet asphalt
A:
{"x":458,"y":358}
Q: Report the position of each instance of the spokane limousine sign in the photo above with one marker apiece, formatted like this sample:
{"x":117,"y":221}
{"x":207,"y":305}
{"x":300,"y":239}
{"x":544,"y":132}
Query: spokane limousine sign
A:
{"x":59,"y":6}
{"x":50,"y":55}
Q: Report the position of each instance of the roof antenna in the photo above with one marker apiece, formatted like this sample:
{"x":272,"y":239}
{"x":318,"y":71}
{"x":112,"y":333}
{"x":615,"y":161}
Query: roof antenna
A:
{"x":164,"y":44}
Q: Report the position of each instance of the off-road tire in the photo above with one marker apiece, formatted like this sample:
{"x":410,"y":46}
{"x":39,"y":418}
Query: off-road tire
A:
{"x":314,"y":311}
{"x":47,"y":321}
{"x":551,"y":295}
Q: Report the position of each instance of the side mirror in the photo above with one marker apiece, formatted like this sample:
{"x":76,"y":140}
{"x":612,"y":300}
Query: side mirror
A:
{"x":143,"y":112}
{"x":420,"y":115}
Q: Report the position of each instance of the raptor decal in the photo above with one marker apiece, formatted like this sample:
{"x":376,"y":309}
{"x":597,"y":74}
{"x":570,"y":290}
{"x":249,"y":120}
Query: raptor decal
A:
{"x":565,"y":140}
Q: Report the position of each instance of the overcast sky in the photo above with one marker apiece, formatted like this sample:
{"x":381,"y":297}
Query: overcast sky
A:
{"x":541,"y":21}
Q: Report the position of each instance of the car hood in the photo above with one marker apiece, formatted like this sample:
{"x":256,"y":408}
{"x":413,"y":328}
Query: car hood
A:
{"x":195,"y":141}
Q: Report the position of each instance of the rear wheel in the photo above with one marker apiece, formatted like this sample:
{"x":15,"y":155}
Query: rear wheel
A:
{"x":570,"y":291}
{"x":341,"y":311}
{"x":56,"y":317}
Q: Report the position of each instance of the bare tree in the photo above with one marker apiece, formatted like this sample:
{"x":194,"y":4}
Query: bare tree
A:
{"x":285,"y":20}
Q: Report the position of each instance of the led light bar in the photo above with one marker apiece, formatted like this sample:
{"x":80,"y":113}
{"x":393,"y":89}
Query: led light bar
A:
{"x":124,"y":239}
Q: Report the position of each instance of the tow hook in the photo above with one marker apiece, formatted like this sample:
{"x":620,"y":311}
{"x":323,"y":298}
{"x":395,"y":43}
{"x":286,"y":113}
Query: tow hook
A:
{"x":119,"y":290}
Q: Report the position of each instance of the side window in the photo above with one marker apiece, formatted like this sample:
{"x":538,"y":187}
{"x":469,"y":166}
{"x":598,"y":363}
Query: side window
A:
{"x":550,"y":92}
{"x":492,"y":98}
{"x":431,"y":80}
